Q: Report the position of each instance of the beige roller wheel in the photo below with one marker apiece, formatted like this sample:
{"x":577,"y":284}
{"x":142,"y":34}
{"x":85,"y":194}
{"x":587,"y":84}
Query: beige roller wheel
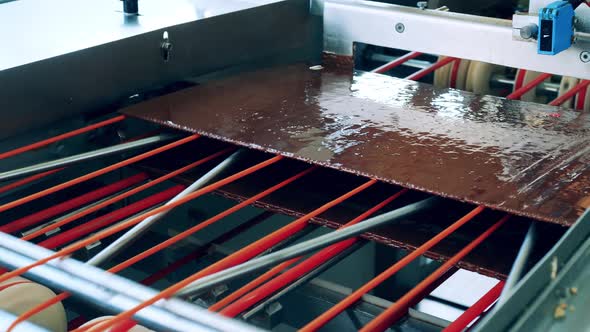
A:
{"x":532,"y":94}
{"x":566,"y":84}
{"x":479,"y":77}
{"x":441,"y":75}
{"x":19,"y":295}
{"x":136,"y":328}
{"x":461,"y":80}
{"x":444,"y":76}
{"x":583,"y":102}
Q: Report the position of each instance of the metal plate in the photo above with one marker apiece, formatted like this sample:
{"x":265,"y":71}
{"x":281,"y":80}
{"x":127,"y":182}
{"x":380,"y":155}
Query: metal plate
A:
{"x":444,"y":33}
{"x":523,"y":158}
{"x":52,"y":32}
{"x":531,"y":305}
{"x":73,"y":59}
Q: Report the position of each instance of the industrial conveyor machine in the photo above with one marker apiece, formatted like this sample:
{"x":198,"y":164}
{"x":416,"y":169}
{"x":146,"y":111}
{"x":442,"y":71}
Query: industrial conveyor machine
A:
{"x":245,"y":165}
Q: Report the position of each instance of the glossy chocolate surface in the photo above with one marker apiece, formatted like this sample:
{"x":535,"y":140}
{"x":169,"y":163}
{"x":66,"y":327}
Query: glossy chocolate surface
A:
{"x":524,"y":158}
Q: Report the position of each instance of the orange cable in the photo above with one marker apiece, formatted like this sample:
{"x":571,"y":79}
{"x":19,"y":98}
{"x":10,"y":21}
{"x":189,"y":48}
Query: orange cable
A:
{"x":517,"y":93}
{"x":27,"y":180}
{"x":180,"y":236}
{"x":253,"y":284}
{"x":399,"y":307}
{"x":583,"y":85}
{"x":236,"y":258}
{"x":276,"y":270}
{"x":133,"y":221}
{"x":96,"y":173}
{"x":330,"y":314}
{"x":60,"y":137}
{"x":123,"y":195}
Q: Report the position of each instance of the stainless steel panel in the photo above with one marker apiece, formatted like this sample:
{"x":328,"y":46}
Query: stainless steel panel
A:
{"x":37,"y":29}
{"x":65,"y":58}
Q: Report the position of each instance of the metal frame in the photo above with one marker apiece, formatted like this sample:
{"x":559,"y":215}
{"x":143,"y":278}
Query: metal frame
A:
{"x":430,"y":31}
{"x":52,"y":269}
{"x":109,"y":57}
{"x":134,"y":233}
{"x":526,"y":306}
{"x":144,"y":67}
{"x":111,"y":292}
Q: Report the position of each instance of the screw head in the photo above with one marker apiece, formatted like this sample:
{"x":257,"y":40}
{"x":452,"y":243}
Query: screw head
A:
{"x":166,"y":47}
{"x":400,"y":27}
{"x":585,"y":57}
{"x":422,"y":4}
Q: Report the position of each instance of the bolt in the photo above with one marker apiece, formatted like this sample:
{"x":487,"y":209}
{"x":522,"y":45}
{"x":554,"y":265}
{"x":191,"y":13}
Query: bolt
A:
{"x":422,"y":4}
{"x":400,"y":27}
{"x":529,"y":31}
{"x":585,"y":57}
{"x":166,"y":47}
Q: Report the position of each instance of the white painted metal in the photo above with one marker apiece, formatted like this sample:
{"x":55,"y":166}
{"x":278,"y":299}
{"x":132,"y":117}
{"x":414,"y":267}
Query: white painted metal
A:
{"x":445,"y":33}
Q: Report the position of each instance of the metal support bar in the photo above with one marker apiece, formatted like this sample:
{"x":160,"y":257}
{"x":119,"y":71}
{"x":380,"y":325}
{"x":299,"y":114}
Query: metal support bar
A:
{"x":160,"y":274}
{"x":303,"y":280}
{"x":111,"y":292}
{"x":323,"y":319}
{"x":519,"y":263}
{"x":83,"y":157}
{"x":134,"y":233}
{"x":96,"y":173}
{"x":60,"y":137}
{"x":396,"y":311}
{"x":307,"y":246}
{"x":255,"y":293}
{"x":529,"y":86}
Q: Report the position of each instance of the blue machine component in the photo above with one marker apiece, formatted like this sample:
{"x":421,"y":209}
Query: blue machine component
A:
{"x":556,"y":28}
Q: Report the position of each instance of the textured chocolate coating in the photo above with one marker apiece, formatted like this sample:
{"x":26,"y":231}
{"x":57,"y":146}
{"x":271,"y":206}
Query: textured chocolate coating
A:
{"x":524,"y":158}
